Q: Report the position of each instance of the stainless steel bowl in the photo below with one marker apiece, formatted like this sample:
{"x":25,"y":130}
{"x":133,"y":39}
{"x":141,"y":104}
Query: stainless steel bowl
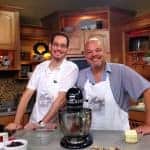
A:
{"x":75,"y":123}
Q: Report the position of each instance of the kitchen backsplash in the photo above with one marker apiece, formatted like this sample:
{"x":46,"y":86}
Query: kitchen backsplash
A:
{"x":10,"y":88}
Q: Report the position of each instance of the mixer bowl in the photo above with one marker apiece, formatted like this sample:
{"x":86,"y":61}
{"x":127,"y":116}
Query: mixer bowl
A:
{"x":75,"y":124}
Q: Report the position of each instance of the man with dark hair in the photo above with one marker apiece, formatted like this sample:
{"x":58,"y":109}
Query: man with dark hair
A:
{"x":50,"y":81}
{"x":61,"y":34}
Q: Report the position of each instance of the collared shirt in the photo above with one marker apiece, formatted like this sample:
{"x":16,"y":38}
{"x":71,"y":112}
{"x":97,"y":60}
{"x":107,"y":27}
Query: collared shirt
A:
{"x":90,"y":76}
{"x":125,"y":82}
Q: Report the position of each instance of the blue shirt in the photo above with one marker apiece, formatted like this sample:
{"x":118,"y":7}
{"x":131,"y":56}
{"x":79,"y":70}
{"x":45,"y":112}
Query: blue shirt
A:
{"x":124,"y":81}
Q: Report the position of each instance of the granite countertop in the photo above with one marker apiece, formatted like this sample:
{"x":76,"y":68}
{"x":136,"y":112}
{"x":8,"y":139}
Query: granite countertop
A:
{"x":132,"y":108}
{"x":100,"y":138}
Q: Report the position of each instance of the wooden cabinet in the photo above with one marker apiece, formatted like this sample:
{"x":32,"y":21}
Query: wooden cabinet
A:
{"x":9,"y":39}
{"x":7,"y":119}
{"x":9,"y":30}
{"x":78,"y":38}
{"x":76,"y":43}
{"x":136,"y":118}
{"x":99,"y":19}
{"x":10,"y":118}
{"x":30,"y":35}
{"x":136,"y":39}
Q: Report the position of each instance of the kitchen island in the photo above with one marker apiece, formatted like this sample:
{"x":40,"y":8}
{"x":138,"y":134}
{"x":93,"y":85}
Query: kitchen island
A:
{"x":140,"y":107}
{"x":9,"y":116}
{"x":101,"y":138}
{"x":137,"y":115}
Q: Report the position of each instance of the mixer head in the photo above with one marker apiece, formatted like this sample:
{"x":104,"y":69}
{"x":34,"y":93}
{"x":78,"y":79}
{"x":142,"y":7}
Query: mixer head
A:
{"x":74,"y":98}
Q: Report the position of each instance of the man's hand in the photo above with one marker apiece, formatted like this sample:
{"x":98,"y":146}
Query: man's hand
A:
{"x":144,"y":129}
{"x":31,"y":126}
{"x":34,"y":126}
{"x":13,"y":126}
{"x":51,"y":126}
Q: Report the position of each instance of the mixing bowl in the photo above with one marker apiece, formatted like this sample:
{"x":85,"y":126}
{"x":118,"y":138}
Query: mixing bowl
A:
{"x":75,"y":123}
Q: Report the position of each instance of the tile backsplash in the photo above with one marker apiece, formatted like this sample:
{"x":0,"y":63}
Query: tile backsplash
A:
{"x":10,"y":88}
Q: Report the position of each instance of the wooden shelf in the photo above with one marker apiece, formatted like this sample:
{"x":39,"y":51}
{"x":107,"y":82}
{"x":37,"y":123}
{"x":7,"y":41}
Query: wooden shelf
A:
{"x":135,"y":30}
{"x":136,"y":52}
{"x":30,"y":35}
{"x":25,"y":62}
{"x":9,"y":69}
{"x":33,"y":33}
{"x":23,"y":78}
{"x":5,"y":120}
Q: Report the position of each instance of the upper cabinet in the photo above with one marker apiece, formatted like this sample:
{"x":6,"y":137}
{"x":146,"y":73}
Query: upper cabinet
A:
{"x":136,"y":37}
{"x":78,"y":38}
{"x":80,"y":24}
{"x":9,"y":30}
{"x":9,"y":39}
{"x":76,"y":42}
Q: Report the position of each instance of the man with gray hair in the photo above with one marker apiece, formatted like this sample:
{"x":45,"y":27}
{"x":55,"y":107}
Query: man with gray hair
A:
{"x":108,"y":87}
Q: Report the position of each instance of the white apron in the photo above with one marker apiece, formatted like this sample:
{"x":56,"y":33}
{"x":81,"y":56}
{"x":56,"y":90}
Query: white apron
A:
{"x":47,"y":91}
{"x":106,"y":113}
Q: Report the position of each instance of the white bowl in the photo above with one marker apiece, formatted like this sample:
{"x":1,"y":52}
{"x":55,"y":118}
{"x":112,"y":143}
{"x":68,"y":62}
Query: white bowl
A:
{"x":21,"y":147}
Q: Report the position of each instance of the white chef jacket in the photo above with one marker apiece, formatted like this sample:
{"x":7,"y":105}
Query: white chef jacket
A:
{"x":48,"y":83}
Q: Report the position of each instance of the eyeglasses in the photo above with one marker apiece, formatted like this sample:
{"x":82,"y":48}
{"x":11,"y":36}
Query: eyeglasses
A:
{"x":62,"y":46}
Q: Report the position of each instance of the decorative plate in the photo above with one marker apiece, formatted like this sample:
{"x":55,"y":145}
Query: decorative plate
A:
{"x":40,"y":48}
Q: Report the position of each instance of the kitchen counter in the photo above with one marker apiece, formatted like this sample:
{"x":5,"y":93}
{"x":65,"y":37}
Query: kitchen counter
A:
{"x":7,"y":113}
{"x":10,"y":113}
{"x":9,"y":116}
{"x":137,"y":108}
{"x":101,"y":138}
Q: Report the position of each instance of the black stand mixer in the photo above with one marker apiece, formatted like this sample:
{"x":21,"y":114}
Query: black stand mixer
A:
{"x":75,"y":121}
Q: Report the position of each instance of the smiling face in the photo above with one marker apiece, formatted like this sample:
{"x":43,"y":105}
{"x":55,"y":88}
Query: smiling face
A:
{"x":95,"y":53}
{"x":59,"y":47}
